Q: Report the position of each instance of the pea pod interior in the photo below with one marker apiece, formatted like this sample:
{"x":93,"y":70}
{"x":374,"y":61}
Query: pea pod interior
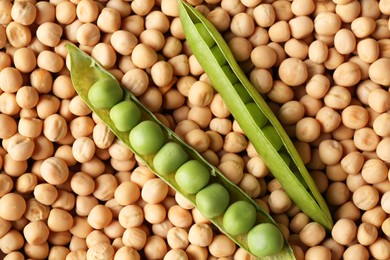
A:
{"x":85,"y":72}
{"x":252,"y":113}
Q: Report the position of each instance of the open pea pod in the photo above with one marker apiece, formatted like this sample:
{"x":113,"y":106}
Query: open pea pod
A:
{"x":252,"y":113}
{"x":85,"y":72}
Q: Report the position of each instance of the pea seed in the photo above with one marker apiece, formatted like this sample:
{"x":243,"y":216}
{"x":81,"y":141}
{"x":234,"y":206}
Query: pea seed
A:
{"x":218,"y":55}
{"x":147,"y":137}
{"x":286,"y":158}
{"x":241,"y":91}
{"x":230,"y":74}
{"x":257,"y":115}
{"x":212,"y":200}
{"x":265,"y":239}
{"x":208,"y":39}
{"x":192,"y":176}
{"x":105,"y":93}
{"x":239,"y":218}
{"x":125,"y":115}
{"x":272,"y":136}
{"x":170,"y":157}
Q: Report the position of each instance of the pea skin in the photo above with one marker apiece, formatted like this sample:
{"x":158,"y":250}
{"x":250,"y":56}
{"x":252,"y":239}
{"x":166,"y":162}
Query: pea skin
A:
{"x":105,"y":93}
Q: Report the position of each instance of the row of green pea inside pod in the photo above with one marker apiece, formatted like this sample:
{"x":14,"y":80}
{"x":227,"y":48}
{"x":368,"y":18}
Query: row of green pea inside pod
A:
{"x":259,"y":117}
{"x":192,"y":176}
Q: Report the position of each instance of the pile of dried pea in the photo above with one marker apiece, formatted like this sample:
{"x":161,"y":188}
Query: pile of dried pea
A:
{"x":179,"y":165}
{"x":93,"y":198}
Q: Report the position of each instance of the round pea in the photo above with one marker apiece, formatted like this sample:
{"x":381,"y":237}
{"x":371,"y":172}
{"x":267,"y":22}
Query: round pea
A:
{"x":286,"y":158}
{"x":208,"y":39}
{"x":147,"y":137}
{"x":244,"y":95}
{"x":218,"y":55}
{"x":105,"y":93}
{"x":257,"y":114}
{"x":212,"y":200}
{"x":239,"y":218}
{"x":192,"y":176}
{"x":170,"y":157}
{"x":125,"y":115}
{"x":265,"y":239}
{"x":230,"y":74}
{"x":272,"y":136}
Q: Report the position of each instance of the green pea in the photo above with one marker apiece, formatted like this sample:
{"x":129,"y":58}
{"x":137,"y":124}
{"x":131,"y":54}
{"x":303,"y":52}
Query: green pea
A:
{"x":218,"y":55}
{"x":212,"y":200}
{"x":239,"y":218}
{"x":125,"y":115}
{"x":257,"y":115}
{"x":230,"y":74}
{"x":147,"y":137}
{"x":241,"y":91}
{"x":192,"y":176}
{"x":286,"y":158}
{"x":265,"y":239}
{"x":170,"y":157}
{"x":105,"y":93}
{"x":208,"y":39}
{"x":272,"y":136}
{"x":300,"y":178}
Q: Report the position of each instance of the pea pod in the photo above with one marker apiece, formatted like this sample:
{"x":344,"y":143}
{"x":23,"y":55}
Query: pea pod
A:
{"x":85,"y":72}
{"x":252,"y":113}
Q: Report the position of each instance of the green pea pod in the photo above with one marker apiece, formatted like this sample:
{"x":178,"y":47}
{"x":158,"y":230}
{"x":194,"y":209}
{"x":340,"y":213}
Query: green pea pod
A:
{"x":249,"y":109}
{"x":85,"y":72}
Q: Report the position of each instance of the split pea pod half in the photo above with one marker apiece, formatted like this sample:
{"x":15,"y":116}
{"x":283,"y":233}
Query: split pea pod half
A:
{"x":252,"y":113}
{"x":228,"y":207}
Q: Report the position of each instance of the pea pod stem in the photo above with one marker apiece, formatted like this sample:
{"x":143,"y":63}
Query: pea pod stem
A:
{"x":295,"y":179}
{"x":85,"y":72}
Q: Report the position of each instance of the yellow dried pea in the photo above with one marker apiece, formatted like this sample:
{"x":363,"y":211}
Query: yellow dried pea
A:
{"x":88,"y":34}
{"x":11,"y":79}
{"x":109,"y":20}
{"x":344,"y":231}
{"x":12,"y":241}
{"x":273,"y":7}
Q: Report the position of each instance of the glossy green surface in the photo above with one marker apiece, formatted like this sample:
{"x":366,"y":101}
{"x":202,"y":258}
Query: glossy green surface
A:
{"x":258,"y":116}
{"x":212,"y":200}
{"x":218,"y":55}
{"x":125,"y":115}
{"x":147,"y":137}
{"x":169,"y":158}
{"x":105,"y":93}
{"x":205,"y":34}
{"x":239,"y":218}
{"x":273,"y":137}
{"x":192,"y":176}
{"x":265,"y":239}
